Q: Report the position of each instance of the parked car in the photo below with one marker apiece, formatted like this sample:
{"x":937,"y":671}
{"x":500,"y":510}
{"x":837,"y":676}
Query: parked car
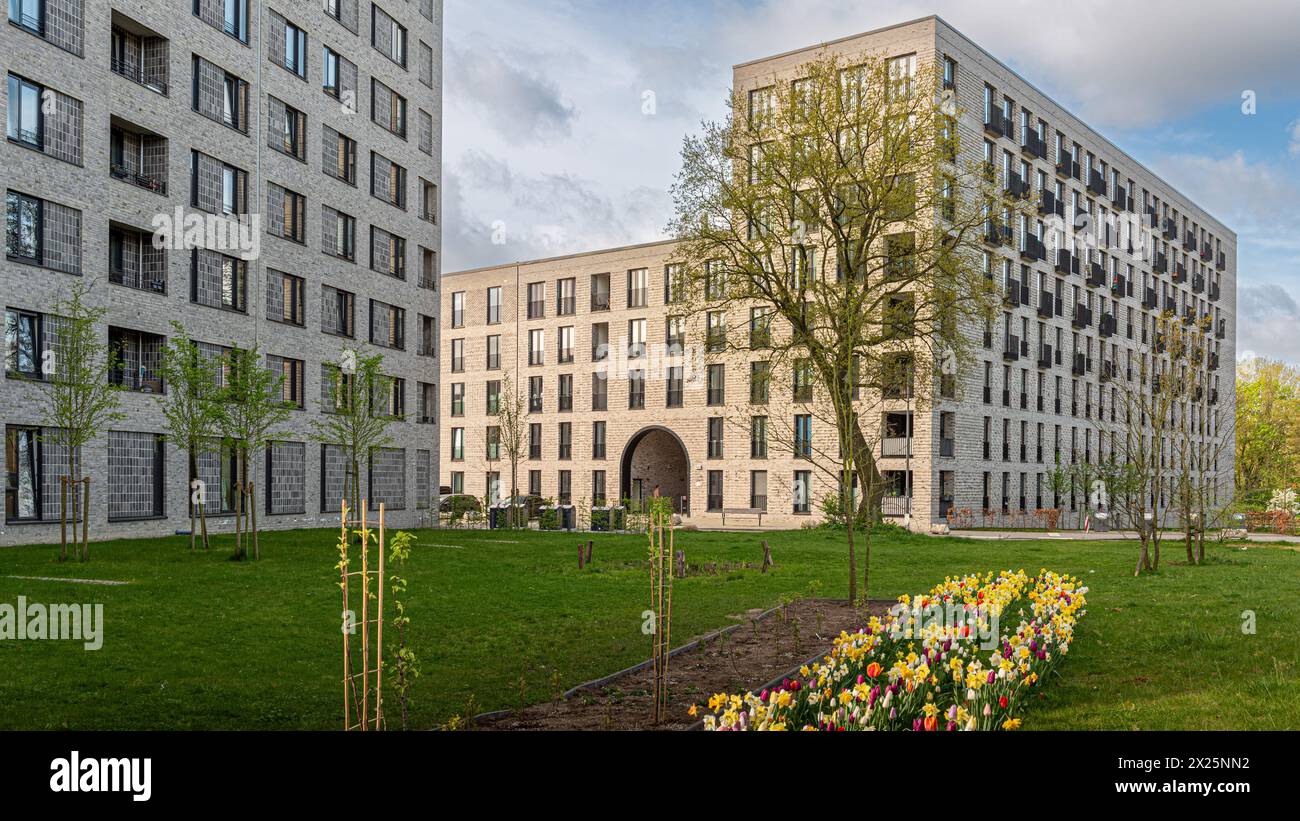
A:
{"x":460,"y":503}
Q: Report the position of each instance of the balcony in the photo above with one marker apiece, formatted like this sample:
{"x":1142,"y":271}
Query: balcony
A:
{"x":1034,"y":250}
{"x":1016,"y":188}
{"x":138,"y":356}
{"x":1048,"y":205}
{"x":1198,"y":283}
{"x":1214,"y":292}
{"x":1082,"y":317}
{"x":1171,"y":303}
{"x":1108,"y":326}
{"x":1189,"y":241}
{"x":1011,"y":348}
{"x":1119,"y":288}
{"x":1121,"y":199}
{"x":1078,"y":364}
{"x":1160,"y":343}
{"x":1170,"y":230}
{"x":1045,"y":303}
{"x":1067,"y":166}
{"x":1096,"y":275}
{"x":134,"y":262}
{"x":1108,"y":371}
{"x":996,"y":234}
{"x":1160,"y":264}
{"x":996,"y":125}
{"x":1034,"y":146}
{"x":896,"y":447}
{"x":1214,"y":396}
{"x":139,"y":54}
{"x":1221,"y":332}
{"x":1096,"y":183}
{"x":138,"y":157}
{"x":1221,"y":261}
{"x":1207,"y":253}
{"x":1066,"y":264}
{"x":1180,"y":272}
{"x":1214,"y":361}
{"x":1150,"y":300}
{"x":1044,"y":362}
{"x":1153,"y":219}
{"x":1012,"y":295}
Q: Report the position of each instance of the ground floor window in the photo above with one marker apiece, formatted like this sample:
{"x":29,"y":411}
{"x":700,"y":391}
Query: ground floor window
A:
{"x":715,"y":490}
{"x":802,"y":492}
{"x":758,"y":490}
{"x":22,"y":474}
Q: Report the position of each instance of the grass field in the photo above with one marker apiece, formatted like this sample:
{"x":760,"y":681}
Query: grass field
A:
{"x":198,"y":641}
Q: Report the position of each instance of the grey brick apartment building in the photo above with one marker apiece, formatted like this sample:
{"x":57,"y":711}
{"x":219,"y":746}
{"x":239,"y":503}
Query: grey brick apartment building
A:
{"x":125,"y":119}
{"x":1073,"y":326}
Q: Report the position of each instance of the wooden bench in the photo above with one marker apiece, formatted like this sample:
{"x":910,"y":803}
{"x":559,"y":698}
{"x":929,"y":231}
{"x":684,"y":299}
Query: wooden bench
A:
{"x":743,"y":511}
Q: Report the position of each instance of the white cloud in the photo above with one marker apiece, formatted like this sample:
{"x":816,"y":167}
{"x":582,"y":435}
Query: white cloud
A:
{"x":1267,"y":320}
{"x":1294,"y":147}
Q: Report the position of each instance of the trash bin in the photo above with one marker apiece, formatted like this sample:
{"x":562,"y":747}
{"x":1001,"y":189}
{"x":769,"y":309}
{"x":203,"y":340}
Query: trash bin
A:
{"x":497,"y":517}
{"x":568,"y":517}
{"x":600,"y":520}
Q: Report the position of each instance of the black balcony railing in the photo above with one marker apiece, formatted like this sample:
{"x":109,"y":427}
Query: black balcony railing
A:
{"x":1082,"y":316}
{"x":1012,"y":296}
{"x":154,"y":184}
{"x":996,"y":124}
{"x":1119,"y":288}
{"x":1011,"y":350}
{"x":1045,"y":303}
{"x":1034,"y":250}
{"x":1189,"y":241}
{"x":1161,"y":263}
{"x":1170,"y":229}
{"x":1034,"y":145}
{"x":1150,"y":300}
{"x":1096,"y":275}
{"x":1066,"y":263}
{"x":139,"y":76}
{"x":1121,"y":200}
{"x":1221,"y":332}
{"x":1108,"y":326}
{"x":1180,"y":272}
{"x":1067,"y":165}
{"x":1198,"y":283}
{"x":1214,"y":292}
{"x":1044,"y":360}
{"x":1096,"y":183}
{"x":1079,"y":366}
{"x":1221,"y":261}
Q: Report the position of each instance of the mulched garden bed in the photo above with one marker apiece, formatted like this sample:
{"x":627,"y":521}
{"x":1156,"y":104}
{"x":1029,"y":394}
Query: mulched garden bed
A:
{"x":763,"y":647}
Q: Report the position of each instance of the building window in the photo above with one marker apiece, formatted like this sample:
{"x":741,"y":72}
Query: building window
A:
{"x":717,"y":385}
{"x":387,"y":108}
{"x":387,"y":180}
{"x":803,"y":436}
{"x":600,"y":342}
{"x":218,"y":281}
{"x":337,"y":311}
{"x":566,"y":392}
{"x":676,"y":393}
{"x":758,"y":490}
{"x":339,"y":155}
{"x":802,"y":492}
{"x":537,"y":347}
{"x":636,"y":336}
{"x":284,"y":298}
{"x":566,"y":440}
{"x":387,"y":36}
{"x":566,"y":297}
{"x":295,"y":50}
{"x":428,"y":201}
{"x":597,"y":440}
{"x":387,"y":253}
{"x":600,"y":292}
{"x":493,"y":305}
{"x":598,"y":488}
{"x":599,"y":392}
{"x":537,"y":300}
{"x":715,"y":437}
{"x":536,"y":394}
{"x":758,"y":437}
{"x":636,"y":390}
{"x":715,"y":490}
{"x":26,"y":125}
{"x":28,"y":14}
{"x":566,"y":352}
{"x":23,"y":227}
{"x":458,"y":309}
{"x":636,"y":287}
{"x":760,"y":377}
{"x":387,"y":325}
{"x":494,"y":353}
{"x":535,"y":441}
{"x":24,"y":467}
{"x":458,"y":356}
{"x":457,"y":444}
{"x":458,"y":399}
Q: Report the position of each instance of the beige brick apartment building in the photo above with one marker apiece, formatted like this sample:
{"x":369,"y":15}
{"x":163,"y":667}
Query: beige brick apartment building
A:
{"x":1076,"y":322}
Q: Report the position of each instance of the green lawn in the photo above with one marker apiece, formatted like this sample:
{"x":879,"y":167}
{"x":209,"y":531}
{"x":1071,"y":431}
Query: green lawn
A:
{"x":198,"y":641}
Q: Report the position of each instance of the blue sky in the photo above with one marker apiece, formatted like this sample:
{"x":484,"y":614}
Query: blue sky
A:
{"x":549,"y":147}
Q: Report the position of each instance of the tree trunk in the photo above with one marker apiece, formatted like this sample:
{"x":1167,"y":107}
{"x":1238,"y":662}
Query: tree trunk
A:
{"x":194,"y":474}
{"x":1142,"y":558}
{"x":85,"y":524}
{"x":239,"y":512}
{"x":63,"y":518}
{"x":203,"y":523}
{"x":869,"y":478}
{"x":252,"y":513}
{"x":850,"y":513}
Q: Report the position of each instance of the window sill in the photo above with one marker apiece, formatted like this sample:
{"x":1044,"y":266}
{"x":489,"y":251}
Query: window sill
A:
{"x":127,"y":520}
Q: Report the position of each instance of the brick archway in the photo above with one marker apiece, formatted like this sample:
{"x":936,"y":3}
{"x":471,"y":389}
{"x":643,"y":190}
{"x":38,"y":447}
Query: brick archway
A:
{"x":657,"y":457}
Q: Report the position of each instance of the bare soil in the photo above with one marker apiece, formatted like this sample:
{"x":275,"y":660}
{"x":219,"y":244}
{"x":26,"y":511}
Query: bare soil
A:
{"x":747,"y":658}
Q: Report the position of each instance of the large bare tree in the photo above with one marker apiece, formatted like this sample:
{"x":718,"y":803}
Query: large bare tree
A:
{"x":835,"y":201}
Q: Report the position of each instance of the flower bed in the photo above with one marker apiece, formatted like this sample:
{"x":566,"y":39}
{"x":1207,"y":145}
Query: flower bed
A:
{"x":887,"y":677}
